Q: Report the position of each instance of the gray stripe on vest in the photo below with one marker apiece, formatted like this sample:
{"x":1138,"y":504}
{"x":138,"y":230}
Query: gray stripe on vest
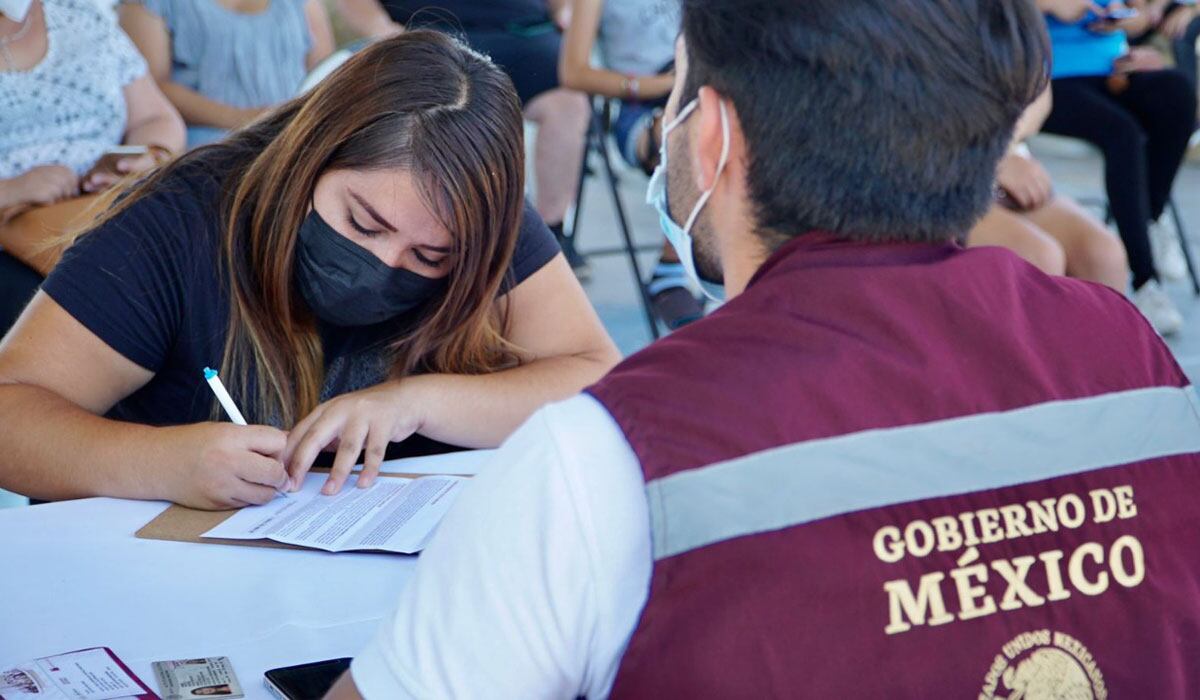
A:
{"x":807,"y":481}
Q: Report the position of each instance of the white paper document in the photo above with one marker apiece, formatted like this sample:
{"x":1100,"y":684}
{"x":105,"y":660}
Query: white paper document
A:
{"x":395,"y":515}
{"x":88,"y":674}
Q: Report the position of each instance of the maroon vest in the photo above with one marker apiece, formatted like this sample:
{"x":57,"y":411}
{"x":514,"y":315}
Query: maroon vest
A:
{"x":914,"y":471}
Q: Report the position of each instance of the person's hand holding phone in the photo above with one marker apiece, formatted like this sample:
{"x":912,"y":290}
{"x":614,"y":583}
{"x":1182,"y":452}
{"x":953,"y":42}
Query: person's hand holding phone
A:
{"x":115,"y":165}
{"x":1117,"y":17}
{"x":1070,"y":11}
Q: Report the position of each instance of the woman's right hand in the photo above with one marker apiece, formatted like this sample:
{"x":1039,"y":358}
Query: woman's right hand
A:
{"x":224,"y":466}
{"x":45,"y":184}
{"x":1025,"y":180}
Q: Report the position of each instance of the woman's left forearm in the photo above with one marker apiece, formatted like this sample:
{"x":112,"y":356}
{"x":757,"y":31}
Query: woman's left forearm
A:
{"x":481,"y":411}
{"x":161,"y":130}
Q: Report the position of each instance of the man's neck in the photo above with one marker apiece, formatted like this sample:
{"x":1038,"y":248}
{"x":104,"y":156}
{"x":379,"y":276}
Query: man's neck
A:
{"x":742,"y":251}
{"x":740,"y":260}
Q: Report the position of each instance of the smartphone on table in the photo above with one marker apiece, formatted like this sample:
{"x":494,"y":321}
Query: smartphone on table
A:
{"x":306,"y":681}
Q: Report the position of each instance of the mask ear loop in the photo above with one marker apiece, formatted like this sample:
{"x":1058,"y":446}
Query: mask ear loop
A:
{"x":655,"y":185}
{"x":720,"y":167}
{"x":691,"y":107}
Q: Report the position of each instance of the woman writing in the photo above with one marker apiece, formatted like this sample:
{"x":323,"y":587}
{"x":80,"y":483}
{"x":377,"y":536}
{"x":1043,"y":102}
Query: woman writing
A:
{"x":361,"y":256}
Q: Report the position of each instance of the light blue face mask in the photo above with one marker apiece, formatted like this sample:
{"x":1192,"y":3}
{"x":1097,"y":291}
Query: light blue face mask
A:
{"x":656,"y":196}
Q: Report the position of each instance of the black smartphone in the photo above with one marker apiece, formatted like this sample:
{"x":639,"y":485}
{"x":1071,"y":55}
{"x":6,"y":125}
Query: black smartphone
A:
{"x":1120,"y":14}
{"x":305,"y":681}
{"x":1113,"y":16}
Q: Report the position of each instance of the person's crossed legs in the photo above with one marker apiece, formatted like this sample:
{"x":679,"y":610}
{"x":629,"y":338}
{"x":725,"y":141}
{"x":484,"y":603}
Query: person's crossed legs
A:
{"x":1059,"y":238}
{"x":1007,"y":229}
{"x":561,"y":117}
{"x":1092,"y":252}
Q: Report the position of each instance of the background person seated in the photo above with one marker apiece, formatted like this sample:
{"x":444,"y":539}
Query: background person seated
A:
{"x":1048,"y":229}
{"x":358,"y":263}
{"x":1179,"y":24}
{"x":223,"y":63}
{"x":743,"y":509}
{"x":62,"y":109}
{"x":637,"y":39}
{"x":1140,"y":116}
{"x":522,"y":37}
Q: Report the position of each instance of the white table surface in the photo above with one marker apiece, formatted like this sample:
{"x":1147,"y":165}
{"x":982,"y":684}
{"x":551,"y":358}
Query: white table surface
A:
{"x":73,"y":576}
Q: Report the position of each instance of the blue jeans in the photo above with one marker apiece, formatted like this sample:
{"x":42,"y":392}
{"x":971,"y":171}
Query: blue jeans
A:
{"x":632,"y":121}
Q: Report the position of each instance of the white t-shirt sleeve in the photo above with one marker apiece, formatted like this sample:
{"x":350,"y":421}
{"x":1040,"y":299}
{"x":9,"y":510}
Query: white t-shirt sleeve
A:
{"x":535,"y":580}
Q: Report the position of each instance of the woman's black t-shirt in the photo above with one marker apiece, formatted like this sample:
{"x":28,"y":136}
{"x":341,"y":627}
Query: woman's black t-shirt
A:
{"x":148,"y":284}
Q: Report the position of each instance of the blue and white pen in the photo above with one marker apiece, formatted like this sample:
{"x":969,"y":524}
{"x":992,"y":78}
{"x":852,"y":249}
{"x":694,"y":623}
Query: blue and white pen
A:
{"x":231,"y":409}
{"x":226,"y":401}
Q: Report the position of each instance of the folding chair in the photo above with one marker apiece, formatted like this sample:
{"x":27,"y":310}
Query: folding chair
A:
{"x":1183,"y":243}
{"x":597,"y":145}
{"x":1180,"y":230}
{"x":1103,"y":204}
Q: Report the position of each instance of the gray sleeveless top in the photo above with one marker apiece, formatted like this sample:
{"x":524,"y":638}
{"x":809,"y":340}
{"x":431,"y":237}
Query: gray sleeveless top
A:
{"x":638,"y":36}
{"x":239,"y":59}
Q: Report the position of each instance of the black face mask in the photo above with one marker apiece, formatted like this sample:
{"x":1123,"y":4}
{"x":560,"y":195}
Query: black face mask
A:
{"x":346,"y":285}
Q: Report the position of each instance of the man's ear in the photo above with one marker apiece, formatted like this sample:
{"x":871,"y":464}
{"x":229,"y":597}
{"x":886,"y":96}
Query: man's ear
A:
{"x":706,"y":140}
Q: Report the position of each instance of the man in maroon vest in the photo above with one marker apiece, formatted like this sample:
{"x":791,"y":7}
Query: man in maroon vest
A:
{"x":887,"y":467}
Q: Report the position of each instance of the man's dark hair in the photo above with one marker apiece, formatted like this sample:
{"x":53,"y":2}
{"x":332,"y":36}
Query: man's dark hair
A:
{"x":872,"y":119}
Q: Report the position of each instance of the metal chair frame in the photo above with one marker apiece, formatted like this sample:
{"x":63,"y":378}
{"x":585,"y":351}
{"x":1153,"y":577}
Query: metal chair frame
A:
{"x":1180,"y":230}
{"x":597,"y":144}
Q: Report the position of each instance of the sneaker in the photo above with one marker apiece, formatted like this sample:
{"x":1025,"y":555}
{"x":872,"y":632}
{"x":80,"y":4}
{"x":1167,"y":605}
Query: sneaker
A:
{"x":579,"y":264}
{"x":1168,"y":253}
{"x":1158,"y":308}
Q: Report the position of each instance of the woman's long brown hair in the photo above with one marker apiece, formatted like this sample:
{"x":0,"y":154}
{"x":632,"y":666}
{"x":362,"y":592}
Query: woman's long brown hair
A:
{"x":422,"y":103}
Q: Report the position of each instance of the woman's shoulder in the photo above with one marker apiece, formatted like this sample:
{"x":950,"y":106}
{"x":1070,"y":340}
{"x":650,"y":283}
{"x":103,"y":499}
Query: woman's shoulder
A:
{"x":90,"y":23}
{"x":77,"y":14}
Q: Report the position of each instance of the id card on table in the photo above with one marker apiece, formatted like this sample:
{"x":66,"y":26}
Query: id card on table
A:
{"x":194,"y":678}
{"x":87,"y":674}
